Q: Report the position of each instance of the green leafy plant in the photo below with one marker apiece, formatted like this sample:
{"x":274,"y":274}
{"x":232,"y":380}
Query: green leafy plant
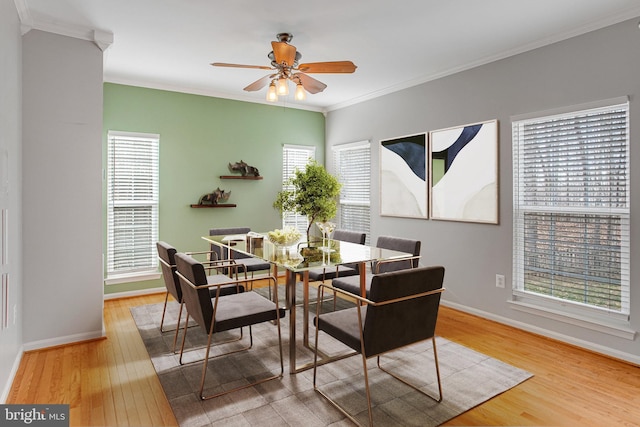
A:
{"x":314,"y":194}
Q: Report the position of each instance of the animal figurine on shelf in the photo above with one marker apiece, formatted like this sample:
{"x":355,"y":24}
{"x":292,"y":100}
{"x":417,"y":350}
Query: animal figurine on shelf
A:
{"x":244,"y":168}
{"x":218,"y":196}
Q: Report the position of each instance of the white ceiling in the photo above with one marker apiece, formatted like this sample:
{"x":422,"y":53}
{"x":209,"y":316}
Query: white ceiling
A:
{"x":169,"y":44}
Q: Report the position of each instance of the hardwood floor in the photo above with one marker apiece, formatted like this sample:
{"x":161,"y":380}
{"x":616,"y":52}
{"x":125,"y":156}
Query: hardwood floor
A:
{"x":111,"y":382}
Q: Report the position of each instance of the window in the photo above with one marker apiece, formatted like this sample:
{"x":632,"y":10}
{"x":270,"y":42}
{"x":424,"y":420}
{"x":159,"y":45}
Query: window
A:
{"x":571,"y":211}
{"x":132,"y":203}
{"x":353,"y":168}
{"x":295,"y":157}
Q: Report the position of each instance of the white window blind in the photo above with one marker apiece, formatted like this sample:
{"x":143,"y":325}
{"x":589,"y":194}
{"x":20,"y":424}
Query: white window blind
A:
{"x":132,"y":203}
{"x":571,"y":210}
{"x":295,"y":157}
{"x":353,"y":168}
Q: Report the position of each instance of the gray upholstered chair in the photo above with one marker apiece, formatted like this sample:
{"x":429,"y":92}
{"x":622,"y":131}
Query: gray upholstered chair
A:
{"x":402,"y":309}
{"x":245,"y":263}
{"x":166,"y":256}
{"x":352,"y":283}
{"x":223,"y":314}
{"x":322,"y":273}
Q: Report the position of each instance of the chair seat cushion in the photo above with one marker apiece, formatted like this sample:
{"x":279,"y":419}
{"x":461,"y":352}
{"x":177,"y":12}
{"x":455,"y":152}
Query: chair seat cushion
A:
{"x":318,"y":274}
{"x":352,"y":284}
{"x":343,"y":326}
{"x":229,"y":289}
{"x":252,"y":264}
{"x":244,"y":309}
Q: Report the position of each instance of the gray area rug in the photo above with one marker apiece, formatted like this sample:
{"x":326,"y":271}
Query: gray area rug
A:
{"x":469,"y":378}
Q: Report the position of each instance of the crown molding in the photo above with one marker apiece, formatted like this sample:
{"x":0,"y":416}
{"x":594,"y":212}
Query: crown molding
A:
{"x":26,"y":21}
{"x":103,"y":39}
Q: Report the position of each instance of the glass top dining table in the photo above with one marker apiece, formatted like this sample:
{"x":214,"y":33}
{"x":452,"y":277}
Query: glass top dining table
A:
{"x":296,"y":260}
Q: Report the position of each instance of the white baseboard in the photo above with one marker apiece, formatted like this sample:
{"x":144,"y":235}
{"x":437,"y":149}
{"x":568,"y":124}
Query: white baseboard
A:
{"x":596,"y":348}
{"x":12,"y":375}
{"x":69,"y":339}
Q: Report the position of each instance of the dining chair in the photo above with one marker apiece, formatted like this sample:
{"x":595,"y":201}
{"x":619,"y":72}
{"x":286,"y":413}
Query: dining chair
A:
{"x":246,"y":263}
{"x":343,"y":270}
{"x":352,"y":283}
{"x":219,"y":314}
{"x":401,"y":310}
{"x":166,"y":256}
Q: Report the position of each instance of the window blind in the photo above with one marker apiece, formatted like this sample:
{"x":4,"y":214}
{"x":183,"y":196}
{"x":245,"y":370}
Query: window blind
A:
{"x":571,"y":209}
{"x":352,"y":164}
{"x":132,"y":202}
{"x":295,"y":157}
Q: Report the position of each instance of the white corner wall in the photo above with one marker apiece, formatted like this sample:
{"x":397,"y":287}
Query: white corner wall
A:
{"x":62,"y":188}
{"x":10,"y":192}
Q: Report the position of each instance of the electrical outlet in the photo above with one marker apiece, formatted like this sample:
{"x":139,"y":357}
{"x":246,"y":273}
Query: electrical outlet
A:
{"x":499,"y":281}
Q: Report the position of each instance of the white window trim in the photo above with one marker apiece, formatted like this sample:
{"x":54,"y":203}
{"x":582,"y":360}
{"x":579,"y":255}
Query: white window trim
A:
{"x":311,"y":149}
{"x":364,"y":144}
{"x":116,"y":279}
{"x":613,"y":326}
{"x":574,"y":313}
{"x":143,"y":274}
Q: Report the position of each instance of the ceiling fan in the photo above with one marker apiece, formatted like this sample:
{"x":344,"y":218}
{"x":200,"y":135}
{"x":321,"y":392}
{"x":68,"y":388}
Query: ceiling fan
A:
{"x":284,"y":64}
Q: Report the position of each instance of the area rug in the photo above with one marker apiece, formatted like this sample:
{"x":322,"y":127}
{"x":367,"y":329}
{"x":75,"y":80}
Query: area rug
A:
{"x":469,"y":378}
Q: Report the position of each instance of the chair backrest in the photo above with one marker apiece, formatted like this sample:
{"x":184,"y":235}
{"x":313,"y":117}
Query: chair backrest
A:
{"x":394,"y":325}
{"x":227,"y":231}
{"x":197,"y":301}
{"x":350,"y":236}
{"x":167,"y":253}
{"x":398,"y":244}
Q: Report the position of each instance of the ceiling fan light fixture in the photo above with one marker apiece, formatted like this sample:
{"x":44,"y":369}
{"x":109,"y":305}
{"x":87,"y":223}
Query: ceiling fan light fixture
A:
{"x":272,"y":96}
{"x":285,"y":66}
{"x":300,"y":95}
{"x":282,"y":86}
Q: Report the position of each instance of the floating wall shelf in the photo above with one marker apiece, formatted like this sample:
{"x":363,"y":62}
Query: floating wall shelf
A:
{"x":219,"y":205}
{"x":250,"y":177}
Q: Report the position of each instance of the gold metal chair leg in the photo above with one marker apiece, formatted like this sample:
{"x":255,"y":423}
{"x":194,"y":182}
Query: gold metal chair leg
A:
{"x":366,"y":385}
{"x":164,"y":310}
{"x":435,"y":357}
{"x":181,"y":352}
{"x":315,"y":374}
{"x":178,"y":327}
{"x":175,"y":336}
{"x":206,"y":362}
{"x":273,"y":377}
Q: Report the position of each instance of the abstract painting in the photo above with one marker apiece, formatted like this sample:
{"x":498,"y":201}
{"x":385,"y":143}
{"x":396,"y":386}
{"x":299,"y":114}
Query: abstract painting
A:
{"x":464,"y":173}
{"x":403,"y":176}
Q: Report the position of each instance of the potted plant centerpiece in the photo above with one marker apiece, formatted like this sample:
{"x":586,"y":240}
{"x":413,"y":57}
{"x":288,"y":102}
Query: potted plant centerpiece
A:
{"x":314,"y":194}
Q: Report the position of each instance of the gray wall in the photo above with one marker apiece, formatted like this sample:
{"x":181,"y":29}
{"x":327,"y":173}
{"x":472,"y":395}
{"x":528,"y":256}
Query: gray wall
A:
{"x":599,"y":65}
{"x":10,"y":136}
{"x":62,"y":185}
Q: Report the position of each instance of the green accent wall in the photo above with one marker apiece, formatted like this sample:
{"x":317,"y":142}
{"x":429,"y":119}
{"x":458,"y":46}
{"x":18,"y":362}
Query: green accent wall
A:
{"x":199,"y":137}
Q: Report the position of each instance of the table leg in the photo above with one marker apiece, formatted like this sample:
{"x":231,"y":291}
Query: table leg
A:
{"x":291,"y":302}
{"x":363,"y":281}
{"x":305,"y":306}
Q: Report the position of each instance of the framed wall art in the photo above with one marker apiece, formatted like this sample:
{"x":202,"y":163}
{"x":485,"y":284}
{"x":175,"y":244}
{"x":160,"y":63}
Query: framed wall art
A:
{"x":403,"y":176}
{"x":464,"y":173}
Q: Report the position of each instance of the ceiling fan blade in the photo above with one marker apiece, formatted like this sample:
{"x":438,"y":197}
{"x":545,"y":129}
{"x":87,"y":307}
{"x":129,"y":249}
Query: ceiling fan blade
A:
{"x":328,"y":67}
{"x":310,"y":84}
{"x":284,"y":52}
{"x":223,"y":64}
{"x":259,"y":84}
